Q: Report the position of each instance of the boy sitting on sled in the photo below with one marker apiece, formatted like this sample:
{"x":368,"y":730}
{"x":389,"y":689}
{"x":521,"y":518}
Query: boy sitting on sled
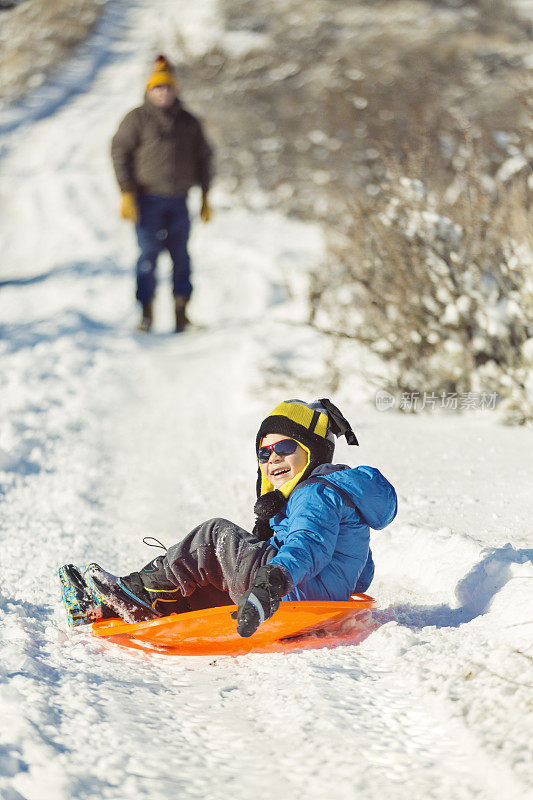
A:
{"x":310,"y":540}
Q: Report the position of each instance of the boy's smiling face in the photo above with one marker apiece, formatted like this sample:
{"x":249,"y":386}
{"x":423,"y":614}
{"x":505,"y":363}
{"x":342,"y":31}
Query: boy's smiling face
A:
{"x":280,"y":469}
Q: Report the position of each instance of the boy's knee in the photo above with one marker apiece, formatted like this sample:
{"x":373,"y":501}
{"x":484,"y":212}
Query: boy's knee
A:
{"x":220,"y":523}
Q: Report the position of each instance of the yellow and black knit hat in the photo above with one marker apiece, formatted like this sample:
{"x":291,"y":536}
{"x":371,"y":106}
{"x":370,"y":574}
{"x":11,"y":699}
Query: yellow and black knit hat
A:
{"x":162,"y":73}
{"x":313,"y":425}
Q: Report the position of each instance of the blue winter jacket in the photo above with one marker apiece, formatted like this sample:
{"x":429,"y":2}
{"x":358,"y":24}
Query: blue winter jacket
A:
{"x":322,"y":534}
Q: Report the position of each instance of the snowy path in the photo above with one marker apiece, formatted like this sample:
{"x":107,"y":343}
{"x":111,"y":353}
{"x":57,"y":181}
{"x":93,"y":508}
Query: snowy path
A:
{"x":106,"y":436}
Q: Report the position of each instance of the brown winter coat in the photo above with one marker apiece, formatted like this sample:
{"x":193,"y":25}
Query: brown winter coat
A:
{"x":161,"y":152}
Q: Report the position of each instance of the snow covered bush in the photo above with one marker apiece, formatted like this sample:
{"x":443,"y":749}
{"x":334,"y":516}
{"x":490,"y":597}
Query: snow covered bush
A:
{"x":318,"y":110}
{"x":441,"y":286}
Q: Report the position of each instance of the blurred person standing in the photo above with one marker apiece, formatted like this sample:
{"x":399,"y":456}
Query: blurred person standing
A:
{"x":159,"y":152}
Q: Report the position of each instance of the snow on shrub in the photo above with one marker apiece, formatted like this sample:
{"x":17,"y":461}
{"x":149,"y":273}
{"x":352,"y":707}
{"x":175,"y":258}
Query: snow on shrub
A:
{"x":443,"y":292}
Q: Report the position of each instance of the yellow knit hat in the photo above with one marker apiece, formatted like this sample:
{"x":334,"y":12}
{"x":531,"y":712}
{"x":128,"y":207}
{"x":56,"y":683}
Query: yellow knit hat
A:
{"x":162,"y":73}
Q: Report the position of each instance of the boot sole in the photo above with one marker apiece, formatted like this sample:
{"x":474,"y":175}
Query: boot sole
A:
{"x":81,"y":607}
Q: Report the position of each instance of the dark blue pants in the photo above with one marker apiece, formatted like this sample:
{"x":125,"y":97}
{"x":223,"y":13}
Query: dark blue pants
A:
{"x":163,"y":225}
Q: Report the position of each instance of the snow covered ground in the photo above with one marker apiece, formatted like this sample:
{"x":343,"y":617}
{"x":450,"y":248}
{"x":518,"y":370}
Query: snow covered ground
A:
{"x":107,"y":436}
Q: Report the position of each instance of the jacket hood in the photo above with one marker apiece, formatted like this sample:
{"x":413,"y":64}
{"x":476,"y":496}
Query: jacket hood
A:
{"x":368,"y":489}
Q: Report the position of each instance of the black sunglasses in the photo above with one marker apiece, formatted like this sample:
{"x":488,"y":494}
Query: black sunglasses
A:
{"x":283,"y":448}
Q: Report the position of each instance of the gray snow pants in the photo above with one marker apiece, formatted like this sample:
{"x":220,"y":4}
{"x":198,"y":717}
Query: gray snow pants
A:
{"x":215,"y":563}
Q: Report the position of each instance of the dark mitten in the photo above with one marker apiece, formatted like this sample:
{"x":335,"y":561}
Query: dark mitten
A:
{"x":262,"y":530}
{"x":269,"y":504}
{"x":261,"y":600}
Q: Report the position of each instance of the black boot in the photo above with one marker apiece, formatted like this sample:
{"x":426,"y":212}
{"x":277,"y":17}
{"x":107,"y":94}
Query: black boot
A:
{"x":145,"y":324}
{"x":140,"y":596}
{"x":180,"y":304}
{"x":81,"y":605}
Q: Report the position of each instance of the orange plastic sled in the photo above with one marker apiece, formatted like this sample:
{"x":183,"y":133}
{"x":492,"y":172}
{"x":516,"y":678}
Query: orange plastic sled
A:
{"x":212,"y":631}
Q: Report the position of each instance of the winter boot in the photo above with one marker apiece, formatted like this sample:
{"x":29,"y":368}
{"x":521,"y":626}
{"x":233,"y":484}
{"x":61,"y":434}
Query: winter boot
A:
{"x":80,"y":603}
{"x":180,"y":304}
{"x":137,"y":597}
{"x":145,"y":324}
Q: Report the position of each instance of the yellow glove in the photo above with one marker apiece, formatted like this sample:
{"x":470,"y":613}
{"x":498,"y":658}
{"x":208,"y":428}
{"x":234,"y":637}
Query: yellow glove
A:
{"x":128,"y":207}
{"x":205,"y":211}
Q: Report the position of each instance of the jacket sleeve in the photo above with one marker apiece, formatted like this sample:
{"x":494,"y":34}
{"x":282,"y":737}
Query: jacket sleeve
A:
{"x":123,"y":146}
{"x":314,"y":515}
{"x":205,"y":160}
